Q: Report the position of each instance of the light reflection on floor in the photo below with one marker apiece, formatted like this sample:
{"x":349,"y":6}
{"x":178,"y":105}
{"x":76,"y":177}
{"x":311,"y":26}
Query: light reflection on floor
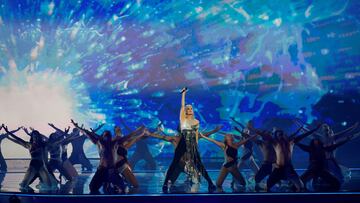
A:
{"x":150,"y":183}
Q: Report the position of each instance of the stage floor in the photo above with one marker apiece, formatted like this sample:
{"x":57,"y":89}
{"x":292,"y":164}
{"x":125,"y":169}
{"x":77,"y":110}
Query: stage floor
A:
{"x":151,"y":184}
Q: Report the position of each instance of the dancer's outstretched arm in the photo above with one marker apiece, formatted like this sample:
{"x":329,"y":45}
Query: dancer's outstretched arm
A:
{"x":237,"y":122}
{"x":13,"y":131}
{"x":300,"y":123}
{"x":130,"y":135}
{"x":125,"y":125}
{"x":218,"y":143}
{"x":208,"y":133}
{"x":238,"y":137}
{"x":127,"y":144}
{"x":90,"y":134}
{"x":334,"y":146}
{"x":66,"y":140}
{"x":26,"y":131}
{"x":293,"y":135}
{"x":342,"y":134}
{"x":302,"y":136}
{"x":98,"y":128}
{"x":55,"y":128}
{"x":238,"y":144}
{"x":162,"y":137}
{"x":6,"y":135}
{"x":16,"y":139}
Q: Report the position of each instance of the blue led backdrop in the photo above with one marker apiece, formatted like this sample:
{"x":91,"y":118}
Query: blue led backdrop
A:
{"x":106,"y":61}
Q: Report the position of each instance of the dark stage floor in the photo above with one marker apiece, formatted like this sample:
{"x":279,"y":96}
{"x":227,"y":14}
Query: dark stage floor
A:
{"x":150,"y":191}
{"x":151,"y":182}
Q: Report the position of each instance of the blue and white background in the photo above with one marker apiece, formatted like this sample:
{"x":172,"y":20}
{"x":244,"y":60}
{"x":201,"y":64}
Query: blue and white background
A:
{"x":102,"y":61}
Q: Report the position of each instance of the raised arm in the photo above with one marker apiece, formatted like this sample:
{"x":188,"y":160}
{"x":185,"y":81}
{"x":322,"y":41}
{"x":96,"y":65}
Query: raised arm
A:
{"x":18,"y":139}
{"x":304,"y":129}
{"x":182,"y":109}
{"x":55,"y":128}
{"x":242,"y":142}
{"x":91,"y":135}
{"x":62,"y":140}
{"x":295,"y":133}
{"x":162,"y":137}
{"x":5,"y":135}
{"x":125,"y":125}
{"x":220,"y":144}
{"x":344,"y":132}
{"x":98,"y":128}
{"x":26,"y":131}
{"x":215,"y":130}
{"x":130,"y":135}
{"x":237,"y":122}
{"x":238,"y":137}
{"x":127,"y":144}
{"x":69,"y":139}
{"x":338,"y":144}
{"x":302,"y":136}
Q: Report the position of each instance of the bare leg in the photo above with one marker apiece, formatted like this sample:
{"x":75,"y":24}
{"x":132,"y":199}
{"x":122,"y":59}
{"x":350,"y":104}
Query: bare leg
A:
{"x":294,"y":179}
{"x":222,"y":175}
{"x":237,"y":175}
{"x":45,"y":176}
{"x":31,"y":172}
{"x":130,"y":177}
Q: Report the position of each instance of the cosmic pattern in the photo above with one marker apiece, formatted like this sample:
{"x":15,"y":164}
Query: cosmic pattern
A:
{"x":112,"y":61}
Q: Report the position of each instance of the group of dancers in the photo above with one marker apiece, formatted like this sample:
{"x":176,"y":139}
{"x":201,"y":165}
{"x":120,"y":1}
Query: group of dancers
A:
{"x":114,"y":172}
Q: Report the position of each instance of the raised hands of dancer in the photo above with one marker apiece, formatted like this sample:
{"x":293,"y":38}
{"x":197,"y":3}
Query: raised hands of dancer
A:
{"x":26,"y":131}
{"x":237,"y":122}
{"x":98,"y":128}
{"x":66,"y":131}
{"x":5,"y":128}
{"x":304,"y":135}
{"x":90,"y":134}
{"x":76,"y":125}
{"x":53,"y":126}
{"x":15,"y":138}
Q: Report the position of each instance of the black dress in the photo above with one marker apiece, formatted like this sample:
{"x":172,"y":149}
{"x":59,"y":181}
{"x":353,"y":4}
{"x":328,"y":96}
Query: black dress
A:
{"x":187,"y":159}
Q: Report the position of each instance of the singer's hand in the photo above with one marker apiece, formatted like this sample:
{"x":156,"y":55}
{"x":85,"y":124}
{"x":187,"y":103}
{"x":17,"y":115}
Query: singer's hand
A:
{"x":185,"y":89}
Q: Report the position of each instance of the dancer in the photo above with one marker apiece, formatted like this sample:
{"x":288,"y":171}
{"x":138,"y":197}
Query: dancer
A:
{"x":284,"y":169}
{"x":317,"y":158}
{"x":105,"y":172}
{"x":141,"y":152}
{"x":55,"y":145}
{"x":265,"y":145}
{"x":37,"y":166}
{"x":230,"y":153}
{"x":78,"y":156}
{"x":247,"y":158}
{"x":330,"y":138}
{"x":187,"y":149}
{"x":66,"y":164}
{"x":123,"y":143}
{"x":3,"y":165}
